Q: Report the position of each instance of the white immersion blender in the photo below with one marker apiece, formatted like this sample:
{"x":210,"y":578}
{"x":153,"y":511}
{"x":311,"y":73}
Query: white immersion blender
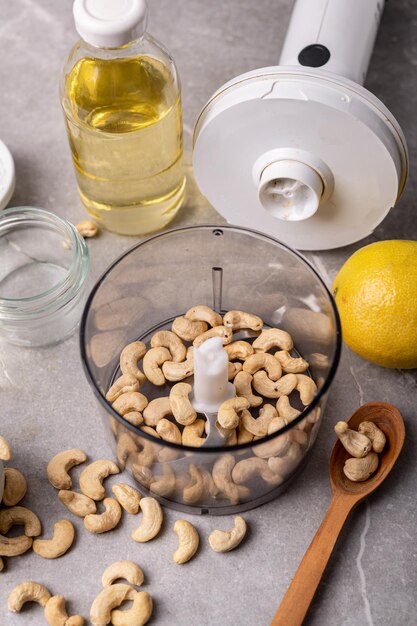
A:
{"x":302,"y":151}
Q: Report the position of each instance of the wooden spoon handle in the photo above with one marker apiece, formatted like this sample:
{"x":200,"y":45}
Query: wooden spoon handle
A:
{"x":300,"y":593}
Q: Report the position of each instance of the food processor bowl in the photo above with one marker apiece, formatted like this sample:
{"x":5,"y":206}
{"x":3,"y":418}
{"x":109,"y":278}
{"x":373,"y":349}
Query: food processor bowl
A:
{"x":226,"y":268}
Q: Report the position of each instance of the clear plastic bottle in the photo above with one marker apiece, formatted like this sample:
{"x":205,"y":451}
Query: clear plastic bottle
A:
{"x":121,"y":98}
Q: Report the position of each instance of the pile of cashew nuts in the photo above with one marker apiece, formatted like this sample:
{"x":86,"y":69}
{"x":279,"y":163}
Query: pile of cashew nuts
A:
{"x":363,"y":445}
{"x":263,"y":366}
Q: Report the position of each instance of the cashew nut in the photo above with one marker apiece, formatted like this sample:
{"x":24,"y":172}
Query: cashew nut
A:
{"x":187,"y":329}
{"x":278,"y":446}
{"x":194,"y":490}
{"x":15,"y":486}
{"x":254,"y":466}
{"x":130,"y":401}
{"x":228,"y":414}
{"x":286,"y":464}
{"x":243,"y":435}
{"x":123,"y":384}
{"x":103,"y":522}
{"x":357,"y":444}
{"x":168,"y":339}
{"x":128,"y":497}
{"x":56,"y":614}
{"x":271,"y":338}
{"x":237,"y":320}
{"x":87,"y":228}
{"x":27,"y":592}
{"x":222,"y":477}
{"x":175,"y":372}
{"x":152,"y":362}
{"x":20,"y":516}
{"x":299,"y":436}
{"x":203,"y":313}
{"x":359,"y":469}
{"x":5,"y":450}
{"x":151,"y":521}
{"x":59,"y":466}
{"x":289,"y":364}
{"x":134,"y":417}
{"x":142,"y":474}
{"x":149,"y":451}
{"x":137,"y":615}
{"x":233,"y":369}
{"x":259,"y":426}
{"x":14,"y":546}
{"x":156,"y":410}
{"x":77,"y":503}
{"x":371,"y":430}
{"x":60,"y":543}
{"x":270,"y":389}
{"x":319,"y":360}
{"x":107,"y":600}
{"x":263,"y":361}
{"x":285,"y":410}
{"x":192,"y":434}
{"x":164,"y":485}
{"x":129,"y":357}
{"x":239,"y":350}
{"x":224,"y":333}
{"x":125,"y":446}
{"x":126,"y":570}
{"x":168,"y":431}
{"x":221,"y":541}
{"x":243,"y":384}
{"x":188,"y":539}
{"x":181,"y":406}
{"x":306,"y":387}
{"x":92,"y":477}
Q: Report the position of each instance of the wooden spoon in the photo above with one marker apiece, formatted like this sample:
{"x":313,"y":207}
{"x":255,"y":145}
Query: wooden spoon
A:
{"x":346,"y":495}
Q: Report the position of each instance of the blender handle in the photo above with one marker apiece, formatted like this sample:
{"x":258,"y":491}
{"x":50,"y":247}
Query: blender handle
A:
{"x":336,"y":35}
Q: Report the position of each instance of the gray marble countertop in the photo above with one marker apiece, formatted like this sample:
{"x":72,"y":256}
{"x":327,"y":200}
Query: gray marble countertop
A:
{"x":46,"y":404}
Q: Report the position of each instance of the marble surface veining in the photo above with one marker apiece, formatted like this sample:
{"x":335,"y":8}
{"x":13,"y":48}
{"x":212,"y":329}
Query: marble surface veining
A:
{"x":372,"y":577}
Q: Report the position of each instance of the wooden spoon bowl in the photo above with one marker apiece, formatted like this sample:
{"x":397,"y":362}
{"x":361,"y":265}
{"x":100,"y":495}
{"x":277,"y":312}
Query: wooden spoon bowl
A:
{"x":346,"y":495}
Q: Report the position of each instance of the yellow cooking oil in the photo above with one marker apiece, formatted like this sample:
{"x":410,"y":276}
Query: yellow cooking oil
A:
{"x":124,"y":124}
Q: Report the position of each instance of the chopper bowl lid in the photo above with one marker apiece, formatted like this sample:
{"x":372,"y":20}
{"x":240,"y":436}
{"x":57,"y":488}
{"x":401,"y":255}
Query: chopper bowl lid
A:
{"x":347,"y":147}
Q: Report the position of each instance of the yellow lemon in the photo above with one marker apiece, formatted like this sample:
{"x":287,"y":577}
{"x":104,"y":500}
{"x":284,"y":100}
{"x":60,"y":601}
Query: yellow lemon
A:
{"x":376,"y":294}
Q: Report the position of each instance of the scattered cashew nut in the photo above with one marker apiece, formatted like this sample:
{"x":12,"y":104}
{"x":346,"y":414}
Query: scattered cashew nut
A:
{"x":5,"y":450}
{"x":77,"y":503}
{"x":92,"y":477}
{"x":181,"y":406}
{"x":129,"y":357}
{"x":228,"y":414}
{"x":152,"y":362}
{"x":203,"y":313}
{"x":187,"y":329}
{"x":224,"y":333}
{"x":138,"y":615}
{"x":243,"y":384}
{"x":371,"y":430}
{"x":103,"y":522}
{"x":360,"y":469}
{"x":357,"y":444}
{"x":60,"y":543}
{"x":221,"y":541}
{"x":151,"y":521}
{"x":188,"y":541}
{"x":128,"y":497}
{"x":27,"y":592}
{"x":108,"y":599}
{"x":59,"y":466}
{"x":237,"y":320}
{"x":123,"y":384}
{"x":271,"y":338}
{"x":87,"y":228}
{"x":14,"y":546}
{"x":126,"y":570}
{"x":21,"y":516}
{"x":15,"y":486}
{"x":56,"y":614}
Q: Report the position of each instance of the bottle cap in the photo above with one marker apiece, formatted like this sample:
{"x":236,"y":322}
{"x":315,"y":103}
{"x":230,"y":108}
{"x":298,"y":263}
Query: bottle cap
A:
{"x":110,"y":23}
{"x":7,"y":175}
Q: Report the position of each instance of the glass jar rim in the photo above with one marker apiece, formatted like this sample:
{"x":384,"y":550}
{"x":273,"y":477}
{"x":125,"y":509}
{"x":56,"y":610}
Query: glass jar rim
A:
{"x":30,"y":216}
